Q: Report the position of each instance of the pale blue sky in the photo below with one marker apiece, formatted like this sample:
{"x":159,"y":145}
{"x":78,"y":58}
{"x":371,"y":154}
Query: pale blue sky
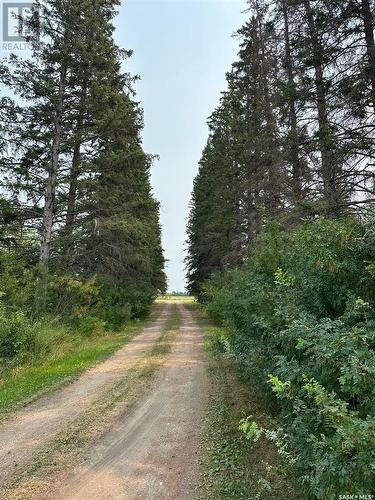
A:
{"x":182,"y":50}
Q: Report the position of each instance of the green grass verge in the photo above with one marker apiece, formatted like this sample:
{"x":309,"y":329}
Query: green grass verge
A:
{"x":66,"y":362}
{"x":234,"y":468}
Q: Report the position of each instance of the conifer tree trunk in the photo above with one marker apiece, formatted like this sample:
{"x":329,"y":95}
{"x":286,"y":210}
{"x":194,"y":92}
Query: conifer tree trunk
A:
{"x":75,"y":169}
{"x":73,"y":180}
{"x":50,"y":192}
{"x":71,"y":203}
{"x":293,"y":132}
{"x":273,"y":188}
{"x":368,"y":23}
{"x":325,"y":140}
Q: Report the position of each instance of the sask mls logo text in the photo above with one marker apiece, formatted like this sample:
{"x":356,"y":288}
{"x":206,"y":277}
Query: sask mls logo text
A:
{"x":13,"y":26}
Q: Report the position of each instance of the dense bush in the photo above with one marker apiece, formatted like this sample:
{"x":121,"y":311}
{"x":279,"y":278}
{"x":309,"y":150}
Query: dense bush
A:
{"x":121,"y":302}
{"x":86,"y":326}
{"x":17,"y":281}
{"x":302,"y":321}
{"x":36,"y":307}
{"x":23,"y":339}
{"x":17,"y":333}
{"x":67,"y":296}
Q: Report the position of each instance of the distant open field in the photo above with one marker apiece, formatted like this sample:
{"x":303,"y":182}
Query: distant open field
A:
{"x":177,"y":298}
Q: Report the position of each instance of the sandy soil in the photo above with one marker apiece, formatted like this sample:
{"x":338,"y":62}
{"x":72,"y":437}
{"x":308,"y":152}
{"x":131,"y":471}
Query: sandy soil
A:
{"x":151,"y":452}
{"x":31,"y":428}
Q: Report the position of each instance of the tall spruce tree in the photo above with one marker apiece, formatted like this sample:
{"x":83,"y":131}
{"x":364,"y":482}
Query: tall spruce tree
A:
{"x":300,"y":128}
{"x":78,"y":168}
{"x":216,"y":238}
{"x":253,"y":81}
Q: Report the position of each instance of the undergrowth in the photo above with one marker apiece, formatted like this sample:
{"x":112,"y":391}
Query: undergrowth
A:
{"x":65,"y":357}
{"x":233,"y":467}
{"x":301,"y":321}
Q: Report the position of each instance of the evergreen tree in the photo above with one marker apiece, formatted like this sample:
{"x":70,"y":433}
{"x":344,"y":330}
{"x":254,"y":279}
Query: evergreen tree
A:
{"x":216,"y":240}
{"x":292,"y":107}
{"x":78,"y":169}
{"x":298,"y":127}
{"x":253,"y":82}
{"x":331,"y":57}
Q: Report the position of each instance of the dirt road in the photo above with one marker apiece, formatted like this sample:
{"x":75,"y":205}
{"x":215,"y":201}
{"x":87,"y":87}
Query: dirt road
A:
{"x":151,"y":451}
{"x":31,"y":428}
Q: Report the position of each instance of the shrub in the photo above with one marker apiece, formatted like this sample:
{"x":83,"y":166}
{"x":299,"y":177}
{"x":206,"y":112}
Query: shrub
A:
{"x":21,"y":337}
{"x":17,"y":282}
{"x":86,"y":326}
{"x":302,"y":335}
{"x":17,"y":333}
{"x":123,"y":301}
{"x":67,"y":296}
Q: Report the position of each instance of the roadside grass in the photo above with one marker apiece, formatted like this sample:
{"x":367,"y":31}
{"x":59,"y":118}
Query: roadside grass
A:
{"x":69,"y":357}
{"x":73,"y":443}
{"x":233,"y":467}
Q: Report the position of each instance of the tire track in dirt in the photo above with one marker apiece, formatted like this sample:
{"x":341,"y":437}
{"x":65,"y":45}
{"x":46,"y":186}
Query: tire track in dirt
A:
{"x":152,"y":451}
{"x":29,"y":429}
